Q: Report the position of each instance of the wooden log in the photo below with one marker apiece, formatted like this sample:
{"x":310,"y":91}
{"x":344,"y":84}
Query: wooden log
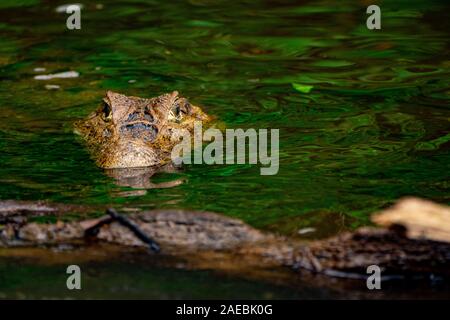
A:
{"x":418,"y":218}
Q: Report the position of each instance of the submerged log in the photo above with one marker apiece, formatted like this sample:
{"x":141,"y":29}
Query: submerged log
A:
{"x":415,"y":242}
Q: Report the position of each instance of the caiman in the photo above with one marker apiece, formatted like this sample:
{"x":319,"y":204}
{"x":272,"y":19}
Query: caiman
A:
{"x":131,"y":132}
{"x":132,"y":138}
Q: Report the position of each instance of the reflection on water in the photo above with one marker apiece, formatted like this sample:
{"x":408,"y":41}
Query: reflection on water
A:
{"x":108,"y":273}
{"x":363,"y":115}
{"x":140,"y":178}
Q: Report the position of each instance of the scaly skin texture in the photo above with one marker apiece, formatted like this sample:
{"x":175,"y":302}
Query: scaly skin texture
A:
{"x":127,"y":132}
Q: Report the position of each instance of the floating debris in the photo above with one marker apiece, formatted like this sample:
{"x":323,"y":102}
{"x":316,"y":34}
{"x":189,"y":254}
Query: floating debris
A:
{"x":39,"y":69}
{"x":303,"y":88}
{"x":52,"y":87}
{"x":306,"y":230}
{"x":61,"y":75}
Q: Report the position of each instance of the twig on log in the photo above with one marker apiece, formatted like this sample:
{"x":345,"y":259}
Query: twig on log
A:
{"x":114,"y":216}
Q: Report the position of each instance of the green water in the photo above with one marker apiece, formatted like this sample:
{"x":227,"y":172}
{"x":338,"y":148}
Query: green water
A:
{"x":374,"y":127}
{"x":363,"y":115}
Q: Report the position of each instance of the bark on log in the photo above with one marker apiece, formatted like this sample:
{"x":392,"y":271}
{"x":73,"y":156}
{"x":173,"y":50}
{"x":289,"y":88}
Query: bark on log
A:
{"x":418,"y":218}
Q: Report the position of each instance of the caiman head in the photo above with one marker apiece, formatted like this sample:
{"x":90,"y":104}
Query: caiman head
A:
{"x":130,"y":131}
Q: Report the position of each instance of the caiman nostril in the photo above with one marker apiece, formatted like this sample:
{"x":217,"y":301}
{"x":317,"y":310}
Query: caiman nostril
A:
{"x":145,"y":131}
{"x":133,"y":116}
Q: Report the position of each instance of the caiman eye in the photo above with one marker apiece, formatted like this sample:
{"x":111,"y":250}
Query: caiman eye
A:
{"x":107,"y":112}
{"x":186,"y":108}
{"x":179,"y":110}
{"x":175,"y":112}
